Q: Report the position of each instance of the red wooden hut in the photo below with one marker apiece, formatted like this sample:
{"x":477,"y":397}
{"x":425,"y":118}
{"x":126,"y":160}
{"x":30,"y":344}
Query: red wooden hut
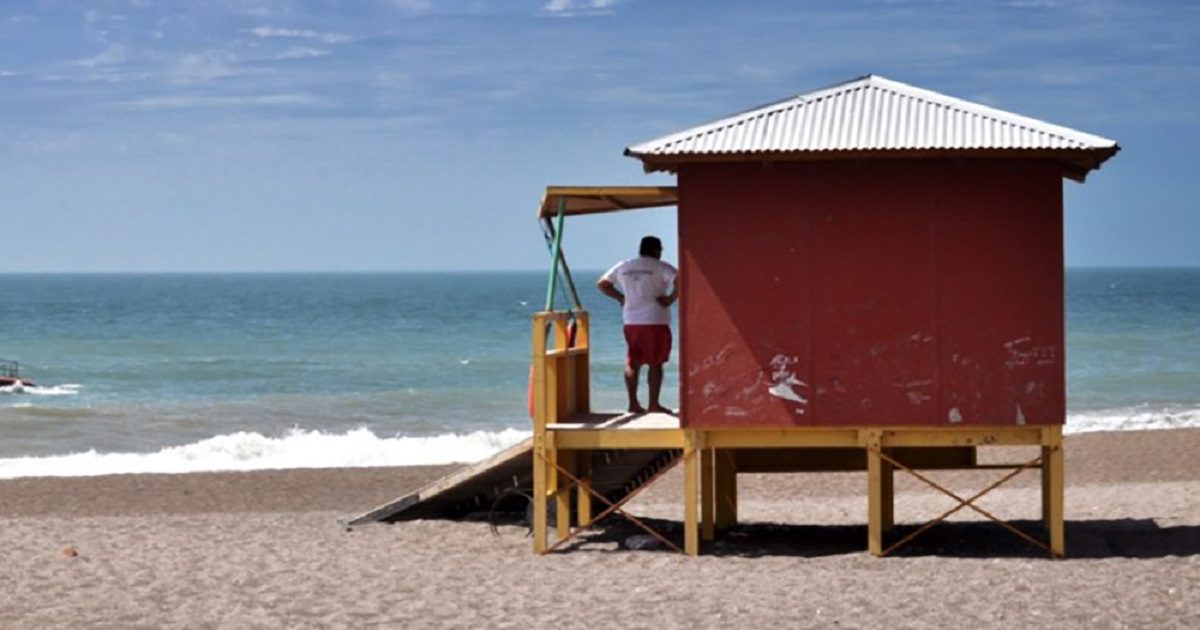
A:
{"x":870,"y":266}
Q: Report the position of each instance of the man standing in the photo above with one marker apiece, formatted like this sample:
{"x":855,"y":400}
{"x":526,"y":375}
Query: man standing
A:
{"x":643,"y":284}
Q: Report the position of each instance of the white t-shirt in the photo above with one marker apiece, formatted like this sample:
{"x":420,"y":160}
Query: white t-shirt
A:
{"x":643,"y":280}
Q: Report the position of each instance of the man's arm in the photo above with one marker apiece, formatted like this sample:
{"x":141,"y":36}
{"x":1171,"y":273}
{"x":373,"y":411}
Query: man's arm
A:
{"x":608,"y":288}
{"x":672,"y":278}
{"x":670,"y":298}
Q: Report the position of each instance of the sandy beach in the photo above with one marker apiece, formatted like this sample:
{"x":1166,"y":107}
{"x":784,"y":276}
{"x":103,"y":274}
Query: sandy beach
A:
{"x":264,"y":549}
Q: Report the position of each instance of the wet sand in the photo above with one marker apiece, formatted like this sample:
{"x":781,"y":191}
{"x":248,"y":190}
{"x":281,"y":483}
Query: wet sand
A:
{"x":263,"y":549}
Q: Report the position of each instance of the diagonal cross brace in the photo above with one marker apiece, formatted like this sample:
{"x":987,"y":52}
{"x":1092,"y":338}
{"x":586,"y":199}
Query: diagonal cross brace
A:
{"x":613,"y":507}
{"x":964,"y":503}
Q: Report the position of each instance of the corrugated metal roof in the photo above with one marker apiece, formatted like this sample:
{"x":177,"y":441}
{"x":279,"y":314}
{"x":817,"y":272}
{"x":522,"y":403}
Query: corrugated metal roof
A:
{"x":872,"y":114}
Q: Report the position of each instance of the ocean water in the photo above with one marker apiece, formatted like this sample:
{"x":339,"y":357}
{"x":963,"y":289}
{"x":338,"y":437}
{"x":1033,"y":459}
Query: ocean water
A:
{"x":188,"y":372}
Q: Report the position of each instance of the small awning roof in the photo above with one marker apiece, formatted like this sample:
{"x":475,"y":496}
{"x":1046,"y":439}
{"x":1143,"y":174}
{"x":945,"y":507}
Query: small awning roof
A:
{"x":596,"y":199}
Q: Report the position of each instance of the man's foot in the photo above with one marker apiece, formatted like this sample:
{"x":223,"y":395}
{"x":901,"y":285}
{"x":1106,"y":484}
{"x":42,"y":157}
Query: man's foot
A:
{"x":636,"y":408}
{"x":660,"y":409}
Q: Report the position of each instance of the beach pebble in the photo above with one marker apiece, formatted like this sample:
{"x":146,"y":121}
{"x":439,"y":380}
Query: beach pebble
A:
{"x":69,"y":552}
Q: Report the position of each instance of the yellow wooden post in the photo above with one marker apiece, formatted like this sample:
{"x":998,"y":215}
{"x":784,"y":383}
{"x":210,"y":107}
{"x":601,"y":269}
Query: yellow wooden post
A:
{"x":726,"y":490}
{"x":583,"y":368}
{"x":540,"y":455}
{"x":874,"y":494}
{"x":1046,"y":450}
{"x":583,"y":498}
{"x":562,"y":493}
{"x":549,"y":385}
{"x":691,"y":474}
{"x":888,"y":495}
{"x":707,"y":472}
{"x":564,"y":371}
{"x":540,"y":474}
{"x":1053,"y":479}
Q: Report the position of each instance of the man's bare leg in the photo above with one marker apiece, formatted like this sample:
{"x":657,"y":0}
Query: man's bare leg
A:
{"x":631,"y":386}
{"x":654,"y":374}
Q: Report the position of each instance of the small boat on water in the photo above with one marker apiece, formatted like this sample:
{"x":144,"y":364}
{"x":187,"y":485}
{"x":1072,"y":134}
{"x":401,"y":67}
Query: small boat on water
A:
{"x":10,"y":376}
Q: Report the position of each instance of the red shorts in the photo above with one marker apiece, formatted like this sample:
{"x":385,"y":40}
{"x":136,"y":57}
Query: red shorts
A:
{"x":648,"y":344}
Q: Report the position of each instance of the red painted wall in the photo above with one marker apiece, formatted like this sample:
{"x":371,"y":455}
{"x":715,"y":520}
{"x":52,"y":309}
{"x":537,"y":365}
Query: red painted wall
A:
{"x":918,"y":292}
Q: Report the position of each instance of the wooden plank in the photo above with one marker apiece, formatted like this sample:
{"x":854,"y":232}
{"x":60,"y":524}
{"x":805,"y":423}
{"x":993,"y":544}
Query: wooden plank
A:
{"x":612,"y":420}
{"x":874,"y":495}
{"x":594,"y":199}
{"x":559,"y":353}
{"x":707,"y":481}
{"x":602,"y":440}
{"x":537,"y":375}
{"x":562,"y":493}
{"x":583,"y":498}
{"x":1054,"y":470}
{"x":691,"y":474}
{"x":887,"y":496}
{"x":541,"y":473}
{"x":960,"y":436}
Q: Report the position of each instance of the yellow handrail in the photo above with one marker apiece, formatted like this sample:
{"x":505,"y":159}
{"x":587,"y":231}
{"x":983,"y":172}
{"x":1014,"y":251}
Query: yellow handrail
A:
{"x":561,"y":380}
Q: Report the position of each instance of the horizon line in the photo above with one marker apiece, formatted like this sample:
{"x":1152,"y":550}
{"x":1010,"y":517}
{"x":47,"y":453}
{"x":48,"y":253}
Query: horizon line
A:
{"x":283,"y":272}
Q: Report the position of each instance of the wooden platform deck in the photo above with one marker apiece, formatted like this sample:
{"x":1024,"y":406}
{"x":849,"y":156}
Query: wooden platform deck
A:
{"x":617,"y":421}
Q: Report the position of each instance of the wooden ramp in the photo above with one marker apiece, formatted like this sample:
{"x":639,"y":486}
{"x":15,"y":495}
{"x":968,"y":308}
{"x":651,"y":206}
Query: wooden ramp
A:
{"x":474,"y":490}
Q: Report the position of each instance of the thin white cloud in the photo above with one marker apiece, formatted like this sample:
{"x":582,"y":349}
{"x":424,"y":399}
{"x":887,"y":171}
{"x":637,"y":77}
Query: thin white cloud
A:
{"x":112,"y":56}
{"x":577,"y":8}
{"x":302,"y":52}
{"x":202,"y":67}
{"x":7,"y":73}
{"x":295,"y":33}
{"x":413,"y":6}
{"x":195,"y":101}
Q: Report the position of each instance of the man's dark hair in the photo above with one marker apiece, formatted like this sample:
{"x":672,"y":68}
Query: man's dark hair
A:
{"x":650,"y":246}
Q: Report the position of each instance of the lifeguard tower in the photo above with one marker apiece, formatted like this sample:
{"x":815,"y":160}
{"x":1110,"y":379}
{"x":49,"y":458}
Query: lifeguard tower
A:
{"x":871,"y":279}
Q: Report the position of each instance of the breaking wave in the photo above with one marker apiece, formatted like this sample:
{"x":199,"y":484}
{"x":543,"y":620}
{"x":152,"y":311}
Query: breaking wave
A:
{"x":1139,"y":418}
{"x":253,"y":451}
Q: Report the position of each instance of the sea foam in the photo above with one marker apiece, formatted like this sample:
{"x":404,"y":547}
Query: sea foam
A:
{"x":253,"y":451}
{"x":1139,"y":418}
{"x":70,"y":389}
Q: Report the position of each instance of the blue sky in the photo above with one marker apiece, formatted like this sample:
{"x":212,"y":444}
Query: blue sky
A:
{"x":263,"y":135}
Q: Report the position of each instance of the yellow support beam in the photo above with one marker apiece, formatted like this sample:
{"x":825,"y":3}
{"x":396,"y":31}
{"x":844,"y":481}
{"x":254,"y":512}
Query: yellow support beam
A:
{"x":691,"y":478}
{"x":583,"y":498}
{"x":618,"y":439}
{"x":1052,"y":489}
{"x":541,"y":471}
{"x":888,"y":496}
{"x":707,"y":481}
{"x":562,"y":493}
{"x":874,"y":494}
{"x":911,"y":436}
